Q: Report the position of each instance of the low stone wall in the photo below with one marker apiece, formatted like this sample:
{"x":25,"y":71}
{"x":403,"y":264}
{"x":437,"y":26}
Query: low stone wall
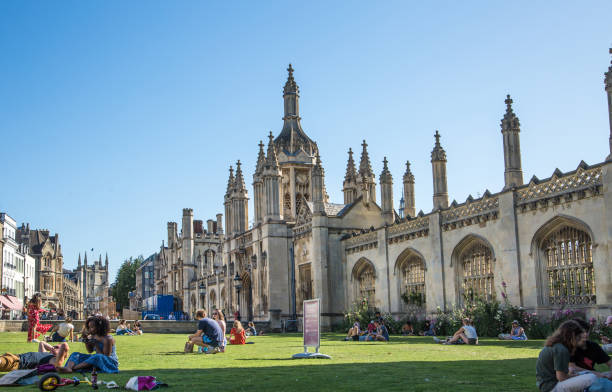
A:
{"x":150,"y":326}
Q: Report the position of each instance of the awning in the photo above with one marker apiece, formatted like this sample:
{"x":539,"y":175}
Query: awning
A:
{"x":10,"y":302}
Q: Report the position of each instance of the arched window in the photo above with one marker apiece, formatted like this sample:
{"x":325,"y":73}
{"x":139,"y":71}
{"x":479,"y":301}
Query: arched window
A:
{"x":364,"y":276}
{"x":568,"y":267}
{"x":413,"y":280}
{"x":476,"y":272}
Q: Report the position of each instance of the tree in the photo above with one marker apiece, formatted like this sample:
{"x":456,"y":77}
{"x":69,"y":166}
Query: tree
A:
{"x":125,"y":281}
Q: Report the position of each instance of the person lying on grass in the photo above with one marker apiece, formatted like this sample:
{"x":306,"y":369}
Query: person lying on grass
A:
{"x":466,"y":334}
{"x":208,"y":335}
{"x":552,"y":368}
{"x":516,"y":333}
{"x":99,"y":340}
{"x":588,"y":354}
{"x":237,"y":333}
{"x":47,"y":354}
{"x":353,"y":332}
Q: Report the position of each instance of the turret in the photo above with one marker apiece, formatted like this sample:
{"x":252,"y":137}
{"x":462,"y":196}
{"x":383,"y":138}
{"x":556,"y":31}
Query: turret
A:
{"x":318,"y":187}
{"x":258,"y":186}
{"x":510,"y":128}
{"x":271,"y":176}
{"x":187,"y":236}
{"x":219,"y":223}
{"x":240,"y":202}
{"x":409,"y":205}
{"x":228,"y":203}
{"x":349,"y":186}
{"x":438,"y":165}
{"x":386,"y":193}
{"x":366,"y":175}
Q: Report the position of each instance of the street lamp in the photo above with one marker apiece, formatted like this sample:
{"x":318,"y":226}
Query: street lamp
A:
{"x":238,"y":286}
{"x":202,"y":288}
{"x":254,"y":261}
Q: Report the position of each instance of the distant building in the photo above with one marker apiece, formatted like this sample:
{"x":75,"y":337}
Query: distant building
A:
{"x":13,"y":264}
{"x":93,"y":279}
{"x":145,"y":282}
{"x":73,"y":295}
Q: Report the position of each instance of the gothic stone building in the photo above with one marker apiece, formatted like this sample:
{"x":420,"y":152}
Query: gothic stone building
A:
{"x":94,"y":285}
{"x":548,"y":241}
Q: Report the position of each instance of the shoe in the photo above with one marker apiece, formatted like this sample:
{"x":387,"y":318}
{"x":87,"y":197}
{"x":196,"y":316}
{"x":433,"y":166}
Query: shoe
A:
{"x":35,"y":341}
{"x":436,"y":340}
{"x":215,"y":350}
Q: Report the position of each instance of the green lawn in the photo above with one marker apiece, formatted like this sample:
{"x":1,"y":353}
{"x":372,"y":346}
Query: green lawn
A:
{"x":404,"y":364}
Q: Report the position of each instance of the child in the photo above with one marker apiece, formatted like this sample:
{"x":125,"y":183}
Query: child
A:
{"x":251,"y":331}
{"x":237,"y":335}
{"x":35,"y":329}
{"x":105,"y":359}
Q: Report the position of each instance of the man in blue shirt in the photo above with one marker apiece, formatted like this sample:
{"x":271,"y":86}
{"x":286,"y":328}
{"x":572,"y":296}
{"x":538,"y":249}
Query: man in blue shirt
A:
{"x":209,"y":335}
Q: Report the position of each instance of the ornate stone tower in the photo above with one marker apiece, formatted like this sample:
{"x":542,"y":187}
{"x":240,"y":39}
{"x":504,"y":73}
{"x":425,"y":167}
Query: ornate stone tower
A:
{"x":227,"y":202}
{"x":409,"y":205}
{"x":240,"y":202}
{"x":510,"y":128}
{"x":349,"y":187}
{"x":608,"y":83}
{"x":366,"y":178}
{"x":187,"y":236}
{"x":438,"y":165}
{"x":258,"y":186}
{"x":295,"y":153}
{"x":318,"y":187}
{"x":271,"y":178}
{"x":386,"y":193}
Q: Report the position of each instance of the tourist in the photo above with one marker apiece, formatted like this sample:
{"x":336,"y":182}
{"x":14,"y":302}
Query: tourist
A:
{"x":105,"y":358}
{"x":237,"y":315}
{"x":607,"y":343}
{"x":251,"y":331}
{"x":382,"y":333}
{"x":466,"y":334}
{"x":137,"y":330}
{"x":208,"y":335}
{"x":63,"y":331}
{"x":429,"y":328}
{"x":353,"y":332}
{"x":171,"y":316}
{"x":552,"y":368}
{"x":588,"y":354}
{"x":123,"y":329}
{"x":47,"y":354}
{"x":516,"y":333}
{"x":35,"y":329}
{"x":371,"y":327}
{"x":237,"y":334}
{"x":407,"y":329}
{"x":220,"y":319}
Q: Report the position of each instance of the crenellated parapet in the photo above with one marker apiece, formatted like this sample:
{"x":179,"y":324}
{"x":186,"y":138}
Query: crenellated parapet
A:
{"x":584,"y":182}
{"x":471,"y":212}
{"x":404,"y":231}
{"x":361,"y":242}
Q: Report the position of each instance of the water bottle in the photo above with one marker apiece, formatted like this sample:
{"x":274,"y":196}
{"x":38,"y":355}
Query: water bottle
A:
{"x":94,"y":379}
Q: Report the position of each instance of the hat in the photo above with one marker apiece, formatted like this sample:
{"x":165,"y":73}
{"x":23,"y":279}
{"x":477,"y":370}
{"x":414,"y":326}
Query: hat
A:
{"x":609,"y":320}
{"x":515,"y":322}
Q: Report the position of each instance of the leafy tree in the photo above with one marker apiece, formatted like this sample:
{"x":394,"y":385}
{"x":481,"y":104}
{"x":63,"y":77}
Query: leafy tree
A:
{"x":126,"y":281}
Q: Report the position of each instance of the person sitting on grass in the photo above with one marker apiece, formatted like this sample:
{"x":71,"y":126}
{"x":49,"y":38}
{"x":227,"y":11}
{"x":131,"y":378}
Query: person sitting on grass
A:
{"x":137,"y":328}
{"x":407,"y":329}
{"x":606,"y":341}
{"x":47,"y":354}
{"x":429,"y":328}
{"x":516,"y":333}
{"x":588,"y":354}
{"x":63,"y":331}
{"x":381,"y":333}
{"x":466,"y":334}
{"x":552,"y":367}
{"x":371,"y":327}
{"x":237,"y":333}
{"x":353,"y":332}
{"x":208,"y":335}
{"x":105,"y":358}
{"x":251,"y":331}
{"x":220,"y":319}
{"x":123,"y":329}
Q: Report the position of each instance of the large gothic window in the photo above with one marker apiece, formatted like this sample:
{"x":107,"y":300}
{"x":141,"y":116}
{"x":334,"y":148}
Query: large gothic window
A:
{"x":568,"y":267}
{"x":365,"y":282}
{"x":413,"y":280}
{"x":476,"y":275}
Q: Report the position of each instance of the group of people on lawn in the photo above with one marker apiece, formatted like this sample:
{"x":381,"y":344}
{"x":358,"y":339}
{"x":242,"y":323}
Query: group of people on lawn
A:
{"x":210,"y":336}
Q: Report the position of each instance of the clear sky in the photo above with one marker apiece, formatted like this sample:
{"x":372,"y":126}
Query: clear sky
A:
{"x":116,"y":115}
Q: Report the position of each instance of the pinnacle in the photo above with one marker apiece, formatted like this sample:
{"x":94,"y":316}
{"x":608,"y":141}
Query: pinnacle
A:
{"x":510,"y":122}
{"x":386,"y":174}
{"x":438,"y":153}
{"x":351,"y":173}
{"x":408,"y":176}
{"x":365,"y":168}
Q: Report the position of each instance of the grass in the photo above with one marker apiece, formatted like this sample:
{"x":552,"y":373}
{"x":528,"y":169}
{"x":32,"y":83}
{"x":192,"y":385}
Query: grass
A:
{"x":404,"y":364}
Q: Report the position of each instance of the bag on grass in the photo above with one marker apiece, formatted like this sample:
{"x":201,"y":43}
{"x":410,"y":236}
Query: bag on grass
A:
{"x":14,"y":377}
{"x":142,"y":383}
{"x":9,"y":362}
{"x":188,"y":347}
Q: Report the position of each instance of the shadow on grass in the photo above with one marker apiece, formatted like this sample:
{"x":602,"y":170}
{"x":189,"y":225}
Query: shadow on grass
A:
{"x":319,"y":374}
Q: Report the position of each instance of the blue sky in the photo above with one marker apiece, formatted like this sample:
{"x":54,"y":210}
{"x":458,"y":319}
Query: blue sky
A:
{"x":116,"y":115}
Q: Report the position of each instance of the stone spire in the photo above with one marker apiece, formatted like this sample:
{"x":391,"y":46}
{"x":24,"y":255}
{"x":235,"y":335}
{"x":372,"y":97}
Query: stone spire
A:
{"x":438,"y":165}
{"x":271,"y":177}
{"x":85,"y":260}
{"x":230,"y":181}
{"x":240,"y":202}
{"x":239,"y":181}
{"x":409,"y":205}
{"x":261,"y":159}
{"x":510,"y":128}
{"x":349,"y":186}
{"x":79,"y":262}
{"x":608,"y":84}
{"x":318,"y":187}
{"x":258,"y":193}
{"x":271,"y":159}
{"x":292,"y":137}
{"x":366,"y":175}
{"x":106,"y":260}
{"x":386,"y":193}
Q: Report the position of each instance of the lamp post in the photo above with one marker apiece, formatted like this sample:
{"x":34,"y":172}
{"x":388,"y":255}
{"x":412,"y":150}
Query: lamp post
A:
{"x":238,"y":286}
{"x":202,"y":289}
